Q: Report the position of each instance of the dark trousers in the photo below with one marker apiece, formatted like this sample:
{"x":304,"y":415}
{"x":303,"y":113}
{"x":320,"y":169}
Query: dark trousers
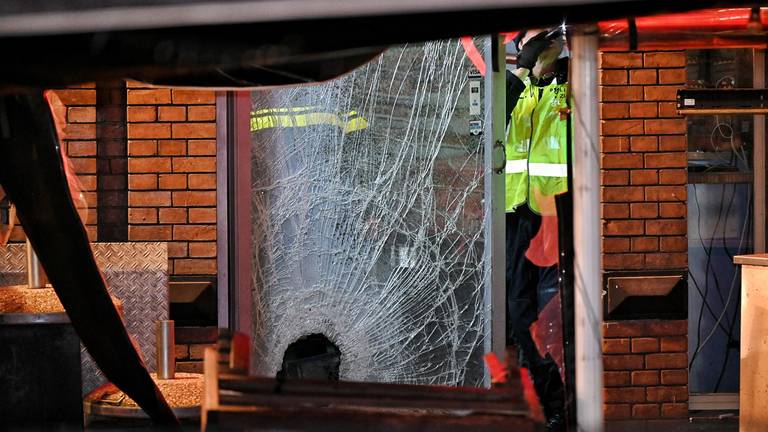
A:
{"x":529,"y":288}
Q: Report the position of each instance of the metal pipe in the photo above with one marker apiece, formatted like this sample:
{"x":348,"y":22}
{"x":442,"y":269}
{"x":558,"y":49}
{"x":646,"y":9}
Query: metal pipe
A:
{"x":36,"y":277}
{"x":222,"y":207}
{"x":586,"y":235}
{"x":709,"y":28}
{"x":495,"y":123}
{"x":166,"y":349}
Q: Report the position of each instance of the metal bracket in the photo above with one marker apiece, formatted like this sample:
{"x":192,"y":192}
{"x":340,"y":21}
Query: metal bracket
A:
{"x":722,"y":101}
{"x":500,"y":145}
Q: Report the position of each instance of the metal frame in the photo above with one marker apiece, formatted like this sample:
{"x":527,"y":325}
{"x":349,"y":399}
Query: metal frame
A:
{"x":240,"y":207}
{"x":495,"y":229}
{"x":222,"y":213}
{"x":713,"y":401}
{"x":233,"y":207}
{"x":758,"y":189}
{"x":586,"y":235}
{"x":589,"y":381}
{"x":233,"y":210}
{"x":730,"y":401}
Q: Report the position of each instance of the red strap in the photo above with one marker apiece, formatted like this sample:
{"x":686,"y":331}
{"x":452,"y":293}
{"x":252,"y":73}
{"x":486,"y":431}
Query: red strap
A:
{"x":497,"y":369}
{"x":473,"y":53}
{"x":529,"y":393}
{"x":509,"y":36}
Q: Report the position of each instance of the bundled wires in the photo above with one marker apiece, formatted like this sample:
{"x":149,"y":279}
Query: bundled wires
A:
{"x":724,"y":321}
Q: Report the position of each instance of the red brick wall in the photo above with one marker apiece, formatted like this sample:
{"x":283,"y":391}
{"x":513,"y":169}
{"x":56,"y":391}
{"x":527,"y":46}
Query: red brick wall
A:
{"x":189,"y":357}
{"x":644,"y":178}
{"x":646,"y":372}
{"x":172,"y":174}
{"x":171,"y":165}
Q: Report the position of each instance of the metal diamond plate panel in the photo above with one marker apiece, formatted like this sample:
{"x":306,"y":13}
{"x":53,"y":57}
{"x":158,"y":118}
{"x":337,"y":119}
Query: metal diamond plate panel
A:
{"x":136,"y":273}
{"x":13,"y":265}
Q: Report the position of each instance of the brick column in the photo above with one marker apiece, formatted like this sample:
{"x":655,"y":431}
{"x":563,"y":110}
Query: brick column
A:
{"x":112,"y":161}
{"x":644,"y":179}
{"x":646,"y":372}
{"x":172,"y":174}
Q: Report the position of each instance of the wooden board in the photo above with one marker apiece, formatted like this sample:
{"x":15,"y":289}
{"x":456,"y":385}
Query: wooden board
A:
{"x":753,"y":392}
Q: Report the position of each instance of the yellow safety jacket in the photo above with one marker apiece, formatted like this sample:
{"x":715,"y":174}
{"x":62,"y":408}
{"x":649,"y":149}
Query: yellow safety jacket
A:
{"x":536,"y":146}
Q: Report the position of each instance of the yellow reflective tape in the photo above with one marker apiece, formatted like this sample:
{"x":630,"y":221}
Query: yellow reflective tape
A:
{"x":303,"y":120}
{"x":282,"y":110}
{"x":356,"y":124}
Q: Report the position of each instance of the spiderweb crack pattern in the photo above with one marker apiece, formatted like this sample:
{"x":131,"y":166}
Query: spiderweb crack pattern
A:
{"x":373,"y":237}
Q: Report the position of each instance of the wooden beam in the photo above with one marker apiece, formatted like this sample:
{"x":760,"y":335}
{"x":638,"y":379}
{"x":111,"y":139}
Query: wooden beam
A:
{"x":210,"y":400}
{"x":511,"y":394}
{"x":338,"y":420}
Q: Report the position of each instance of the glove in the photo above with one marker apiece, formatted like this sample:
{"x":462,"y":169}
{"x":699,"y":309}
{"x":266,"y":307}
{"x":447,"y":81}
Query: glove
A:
{"x":531,"y":50}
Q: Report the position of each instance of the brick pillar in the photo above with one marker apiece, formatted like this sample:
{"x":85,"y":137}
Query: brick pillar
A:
{"x":644,"y":183}
{"x":172,"y":174}
{"x":112,"y":161}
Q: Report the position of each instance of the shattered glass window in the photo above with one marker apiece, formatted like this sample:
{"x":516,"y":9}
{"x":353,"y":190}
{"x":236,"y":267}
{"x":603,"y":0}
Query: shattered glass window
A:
{"x":367,"y":212}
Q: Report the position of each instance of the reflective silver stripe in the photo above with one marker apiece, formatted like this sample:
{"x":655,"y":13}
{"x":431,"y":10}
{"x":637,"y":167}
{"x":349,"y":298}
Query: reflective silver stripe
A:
{"x":547,"y":169}
{"x":516,"y":166}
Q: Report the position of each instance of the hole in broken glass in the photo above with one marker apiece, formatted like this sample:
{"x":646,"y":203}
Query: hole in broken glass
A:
{"x":312,"y":357}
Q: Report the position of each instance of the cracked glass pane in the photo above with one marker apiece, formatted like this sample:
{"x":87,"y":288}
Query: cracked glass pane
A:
{"x":367,"y":211}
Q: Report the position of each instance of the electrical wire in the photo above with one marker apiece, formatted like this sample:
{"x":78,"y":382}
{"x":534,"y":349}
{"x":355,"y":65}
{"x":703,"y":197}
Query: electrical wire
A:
{"x":737,"y":155}
{"x":746,"y":229}
{"x":730,"y":290}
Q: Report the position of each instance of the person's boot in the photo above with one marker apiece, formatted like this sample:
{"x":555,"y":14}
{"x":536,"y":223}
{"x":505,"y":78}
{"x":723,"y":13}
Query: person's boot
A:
{"x":554,"y":397}
{"x":555,"y":422}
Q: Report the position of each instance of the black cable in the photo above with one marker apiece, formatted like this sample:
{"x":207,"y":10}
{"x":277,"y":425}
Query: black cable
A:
{"x":737,"y":270}
{"x":735,"y":274}
{"x":708,"y":252}
{"x":729,"y":331}
{"x":746,"y":231}
{"x":709,"y":308}
{"x":703,"y":295}
{"x":707,"y":269}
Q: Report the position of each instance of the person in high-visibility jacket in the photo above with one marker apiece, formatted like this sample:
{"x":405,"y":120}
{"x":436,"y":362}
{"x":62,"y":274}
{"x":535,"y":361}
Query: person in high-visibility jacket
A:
{"x":536,"y":171}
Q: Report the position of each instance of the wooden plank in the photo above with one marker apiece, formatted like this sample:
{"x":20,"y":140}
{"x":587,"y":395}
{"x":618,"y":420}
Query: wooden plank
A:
{"x":507,"y":394}
{"x":239,"y":390}
{"x":753,"y":375}
{"x":210,"y":384}
{"x":279,"y":400}
{"x":338,"y":420}
{"x":753,"y":259}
